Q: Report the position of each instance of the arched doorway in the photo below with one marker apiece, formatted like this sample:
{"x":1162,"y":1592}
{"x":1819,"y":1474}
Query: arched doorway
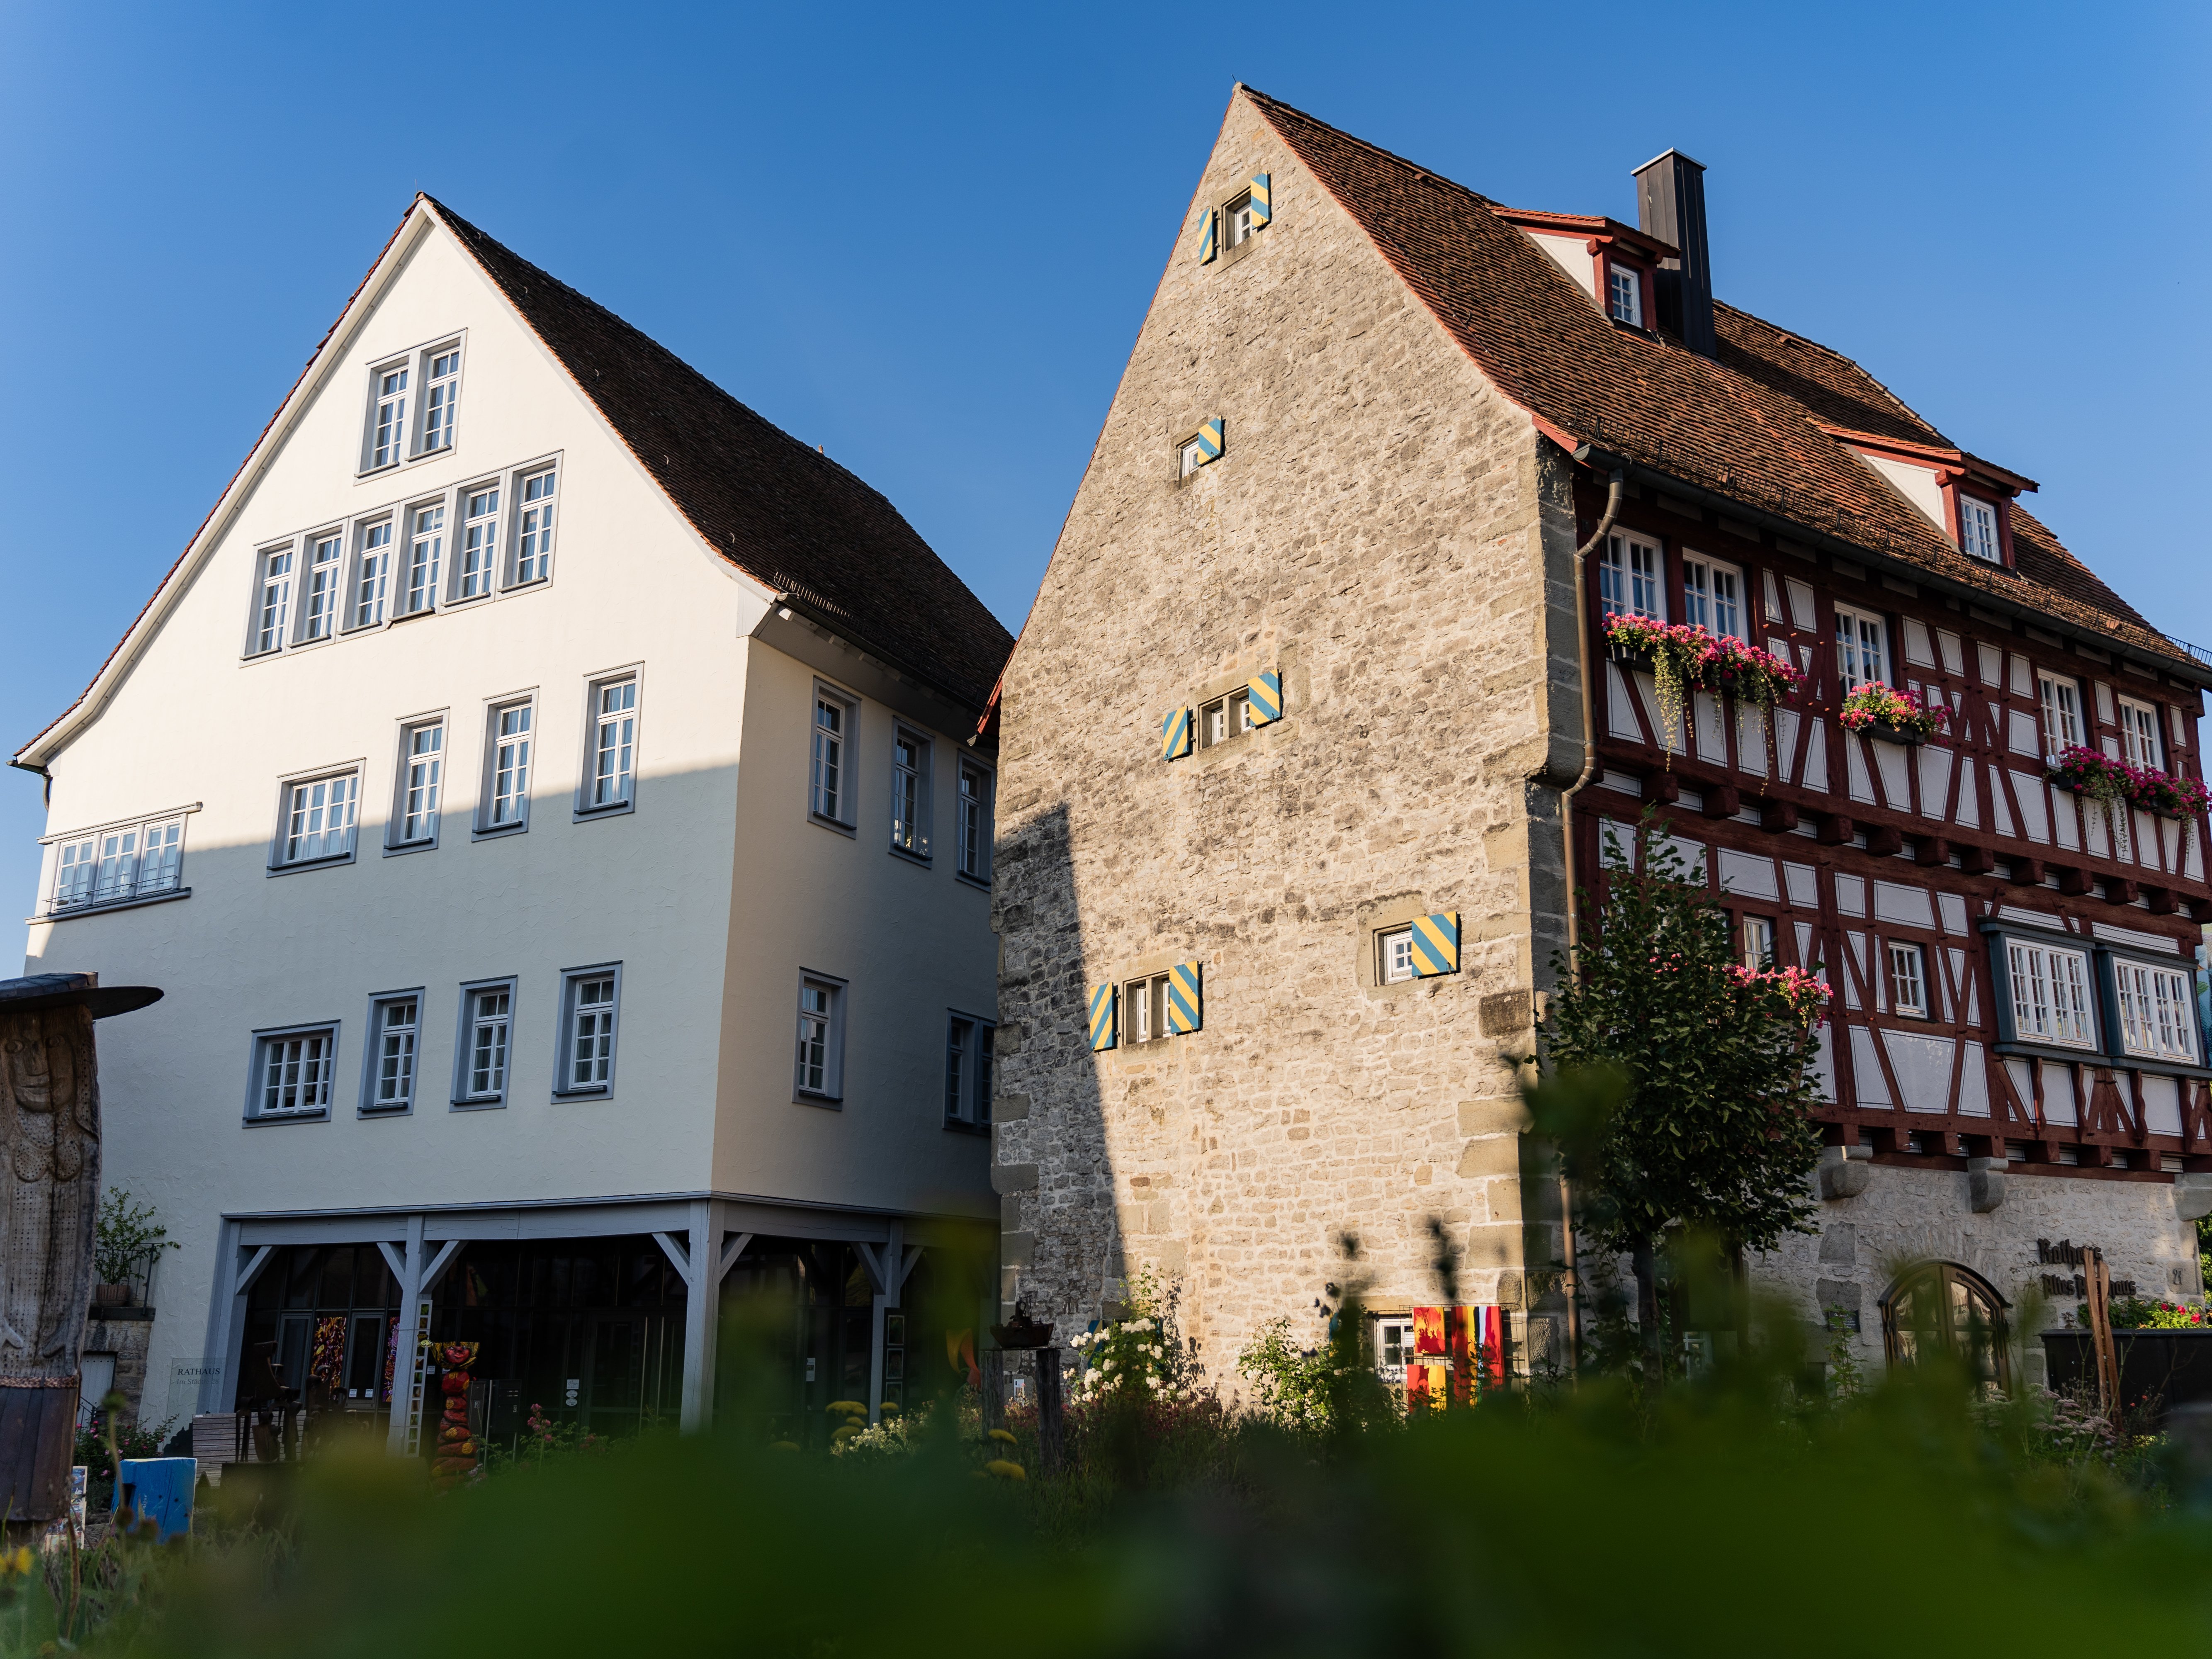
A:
{"x":1943,"y":1308}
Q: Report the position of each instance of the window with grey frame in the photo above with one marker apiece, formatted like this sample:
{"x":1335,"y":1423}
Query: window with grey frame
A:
{"x":507,"y":741}
{"x":589,"y":1000}
{"x":969,"y":1041}
{"x":830,"y":790}
{"x":612,"y":764}
{"x":421,"y":782}
{"x":974,"y":827}
{"x":395,"y":1028}
{"x":820,"y":1058}
{"x":910,"y":792}
{"x":292,"y":1072}
{"x":317,"y":819}
{"x":486,"y":1043}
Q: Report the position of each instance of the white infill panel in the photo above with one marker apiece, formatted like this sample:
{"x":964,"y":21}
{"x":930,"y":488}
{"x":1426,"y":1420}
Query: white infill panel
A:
{"x":1850,"y":894}
{"x":1959,"y":978}
{"x":2023,"y":1083}
{"x":1923,"y":1065}
{"x":2022,"y":735}
{"x":2095,"y":831}
{"x":2113,"y":933}
{"x":2149,"y":845}
{"x":1909,"y":907}
{"x":2161,"y":1105}
{"x":1773,"y":598}
{"x":1953,"y":661}
{"x":1824,"y":1063}
{"x":2192,"y":860}
{"x":1856,"y":944}
{"x":1935,"y":780}
{"x":2001,"y":808}
{"x":2104,"y":703}
{"x":1619,"y":715}
{"x":1896,"y":778}
{"x":1712,"y":735}
{"x":2023,"y":677}
{"x":1647,"y":693}
{"x":2065,"y":820}
{"x":1974,"y":1084}
{"x":1804,"y":942}
{"x":2034,"y":815}
{"x":1751,"y":739}
{"x":1953,"y":907}
{"x":1970,"y":794}
{"x":1754,"y":877}
{"x":1861,"y":786}
{"x":2171,"y":832}
{"x":2058,"y":1094}
{"x":1917,"y":648}
{"x":1802,"y":611}
{"x":1866,"y":1071}
{"x":1804,"y":886}
{"x":1991,"y":660}
{"x":1693,"y":854}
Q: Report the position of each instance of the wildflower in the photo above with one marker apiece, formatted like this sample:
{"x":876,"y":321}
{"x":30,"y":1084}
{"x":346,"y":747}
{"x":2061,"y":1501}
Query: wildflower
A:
{"x":1005,"y":1470}
{"x":1002,"y":1434}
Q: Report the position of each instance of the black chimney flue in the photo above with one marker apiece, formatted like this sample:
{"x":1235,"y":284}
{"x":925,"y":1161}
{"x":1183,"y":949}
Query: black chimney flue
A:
{"x":1670,"y":205}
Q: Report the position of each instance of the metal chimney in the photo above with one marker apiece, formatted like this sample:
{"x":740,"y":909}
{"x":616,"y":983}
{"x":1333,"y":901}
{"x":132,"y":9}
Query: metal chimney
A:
{"x":1670,"y":205}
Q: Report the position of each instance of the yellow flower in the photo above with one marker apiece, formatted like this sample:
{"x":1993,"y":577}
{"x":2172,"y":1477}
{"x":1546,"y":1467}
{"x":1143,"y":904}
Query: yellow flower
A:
{"x":851,"y":1406}
{"x":17,"y":1563}
{"x":1005,"y":1471}
{"x":1001,"y":1434}
{"x":850,"y":1431}
{"x":783,"y":1445}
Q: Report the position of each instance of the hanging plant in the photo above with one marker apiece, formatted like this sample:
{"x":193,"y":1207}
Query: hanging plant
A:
{"x":1684,"y":656}
{"x":1883,"y":711}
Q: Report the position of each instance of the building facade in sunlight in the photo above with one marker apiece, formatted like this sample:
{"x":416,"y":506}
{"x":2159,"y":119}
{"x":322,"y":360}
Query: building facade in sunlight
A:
{"x":1314,"y":725}
{"x":547,"y":794}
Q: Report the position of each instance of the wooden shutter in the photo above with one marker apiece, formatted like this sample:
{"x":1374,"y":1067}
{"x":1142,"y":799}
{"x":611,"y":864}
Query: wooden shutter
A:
{"x":1105,"y":1018}
{"x":1263,"y":208}
{"x":1267,"y":693}
{"x":1209,"y":236}
{"x":1436,"y":945}
{"x":1175,"y":734}
{"x":1186,"y":1000}
{"x":1210,"y":441}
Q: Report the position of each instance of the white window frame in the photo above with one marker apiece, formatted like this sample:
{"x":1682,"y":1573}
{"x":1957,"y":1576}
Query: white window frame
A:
{"x":384,"y":440}
{"x":1632,"y":576}
{"x":1755,"y":940}
{"x":911,"y":808}
{"x":419,"y":784}
{"x":2157,"y":1009}
{"x":304,"y":1059}
{"x":821,"y":1084}
{"x":380,"y":1046}
{"x":305,"y":807}
{"x":105,"y":867}
{"x":1624,"y":280}
{"x":605,"y":1034}
{"x":1144,"y":1009}
{"x":493,"y":815}
{"x":624,"y":723}
{"x":418,"y":591}
{"x":970,"y":1069}
{"x":1393,"y":955}
{"x":438,"y":397}
{"x":1979,"y":536}
{"x":368,"y":591}
{"x":1237,"y":226}
{"x":534,"y":524}
{"x":1907,"y":965}
{"x":322,"y":598}
{"x":479,"y":509}
{"x":276,"y":570}
{"x":466,"y":1097}
{"x":1227,"y":716}
{"x":975,"y":825}
{"x":829,"y":757}
{"x":2059,"y":696}
{"x":1713,"y":596}
{"x":2053,"y":993}
{"x":1862,"y":648}
{"x":2141,"y":742}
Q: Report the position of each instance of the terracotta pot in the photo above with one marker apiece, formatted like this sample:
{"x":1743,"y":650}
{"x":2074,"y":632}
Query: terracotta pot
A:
{"x":110,"y":1295}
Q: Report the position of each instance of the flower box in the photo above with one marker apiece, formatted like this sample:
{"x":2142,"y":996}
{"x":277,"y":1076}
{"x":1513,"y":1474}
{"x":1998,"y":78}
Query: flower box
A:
{"x":1635,"y":662}
{"x":1883,"y":731}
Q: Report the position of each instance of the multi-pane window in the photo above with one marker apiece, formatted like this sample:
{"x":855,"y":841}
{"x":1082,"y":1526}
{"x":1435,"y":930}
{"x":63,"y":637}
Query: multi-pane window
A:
{"x":1396,"y":948}
{"x":426,"y":547}
{"x":1978,"y":530}
{"x":508,"y":799}
{"x":968,"y":1046}
{"x":533,"y":549}
{"x":294,"y":1072}
{"x":2050,"y":993}
{"x":2158,"y":1014}
{"x":1755,"y":935}
{"x":441,"y":386}
{"x":319,"y":817}
{"x":486,"y":1026}
{"x":1625,"y":294}
{"x":614,"y":741}
{"x":396,"y":1023}
{"x":1712,"y":596}
{"x":326,"y":558}
{"x":421,"y":773}
{"x":388,"y":416}
{"x":2062,"y":712}
{"x":587,"y":1049}
{"x":479,"y":541}
{"x":819,"y":1036}
{"x":1629,"y":578}
{"x":910,"y":794}
{"x":276,"y":599}
{"x":1908,"y":979}
{"x":373,"y":580}
{"x":1189,"y":458}
{"x":832,"y":723}
{"x":2139,"y":735}
{"x":1144,"y":1009}
{"x":1862,"y":647}
{"x":974,"y":827}
{"x":133,"y":861}
{"x":1224,"y":718}
{"x":1237,"y":221}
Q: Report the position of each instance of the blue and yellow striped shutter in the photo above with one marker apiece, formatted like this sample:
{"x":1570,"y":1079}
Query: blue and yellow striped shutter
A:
{"x":1175,"y":734}
{"x":1186,"y":1002}
{"x":1105,"y":1018}
{"x":1263,"y":208}
{"x":1436,"y":945}
{"x":1210,"y":441}
{"x":1208,"y":237}
{"x":1266,"y":694}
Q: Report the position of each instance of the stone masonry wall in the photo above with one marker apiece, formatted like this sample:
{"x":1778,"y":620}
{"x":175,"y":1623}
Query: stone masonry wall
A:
{"x":1396,"y":538}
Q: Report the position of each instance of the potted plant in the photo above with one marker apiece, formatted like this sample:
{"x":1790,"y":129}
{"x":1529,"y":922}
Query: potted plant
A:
{"x":1682,"y":657}
{"x":125,"y":1239}
{"x":2165,"y":795}
{"x":1893,"y":716}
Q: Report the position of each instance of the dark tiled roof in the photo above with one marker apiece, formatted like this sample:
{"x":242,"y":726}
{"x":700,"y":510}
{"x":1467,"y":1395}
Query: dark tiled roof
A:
{"x":1742,"y":426}
{"x":782,"y":512}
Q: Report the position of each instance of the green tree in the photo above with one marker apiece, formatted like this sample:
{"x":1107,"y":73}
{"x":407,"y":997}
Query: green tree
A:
{"x":1704,"y":1128}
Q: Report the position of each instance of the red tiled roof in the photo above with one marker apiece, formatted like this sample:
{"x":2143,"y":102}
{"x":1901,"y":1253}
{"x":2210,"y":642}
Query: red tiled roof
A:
{"x":1745,"y":426}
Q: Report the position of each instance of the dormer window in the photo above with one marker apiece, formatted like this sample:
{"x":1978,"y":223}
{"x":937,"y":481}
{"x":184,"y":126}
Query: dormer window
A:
{"x":1625,"y":294}
{"x":1978,"y":530}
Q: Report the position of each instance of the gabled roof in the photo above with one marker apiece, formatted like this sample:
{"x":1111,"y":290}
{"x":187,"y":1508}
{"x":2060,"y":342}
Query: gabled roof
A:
{"x":1746,"y":426}
{"x":784,"y":513}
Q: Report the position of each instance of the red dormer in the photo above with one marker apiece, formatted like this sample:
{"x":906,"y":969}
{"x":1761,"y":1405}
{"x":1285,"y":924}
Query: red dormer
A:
{"x":1615,"y":265}
{"x":1968,"y":498}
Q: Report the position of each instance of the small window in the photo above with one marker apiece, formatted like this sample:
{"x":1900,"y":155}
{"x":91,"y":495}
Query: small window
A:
{"x":1712,"y":596}
{"x":394,"y":1030}
{"x":441,"y":389}
{"x":1396,"y":958}
{"x":1908,"y":980}
{"x":506,"y":767}
{"x":1189,"y":458}
{"x":1625,"y":294}
{"x":387,"y":415}
{"x":479,"y":542}
{"x":119,"y":866}
{"x":1629,"y":578}
{"x":372,"y":574}
{"x":821,"y":1038}
{"x":588,"y":999}
{"x":292,"y":1072}
{"x":421,"y":773}
{"x":2139,"y":735}
{"x":533,"y":547}
{"x":614,"y":743}
{"x":968,"y":1045}
{"x":910,"y":792}
{"x":974,"y":829}
{"x":1755,"y":937}
{"x":1237,"y":222}
{"x":426,"y":548}
{"x":831,"y":791}
{"x":2050,"y":994}
{"x":1226,"y":718}
{"x":487,"y":1031}
{"x":2158,"y":1010}
{"x":1394,"y":1346}
{"x":1978,"y":530}
{"x":318,"y":819}
{"x":1862,"y":647}
{"x":1144,"y":1009}
{"x":2062,"y":712}
{"x":273,"y":604}
{"x":326,"y":558}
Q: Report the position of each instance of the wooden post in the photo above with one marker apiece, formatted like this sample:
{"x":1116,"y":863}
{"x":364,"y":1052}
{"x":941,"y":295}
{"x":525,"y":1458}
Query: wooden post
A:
{"x":2100,"y":1331}
{"x":992,"y":1362}
{"x":1050,"y":1444}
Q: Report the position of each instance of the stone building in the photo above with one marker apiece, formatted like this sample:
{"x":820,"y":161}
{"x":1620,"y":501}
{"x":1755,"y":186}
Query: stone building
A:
{"x":1295,"y":787}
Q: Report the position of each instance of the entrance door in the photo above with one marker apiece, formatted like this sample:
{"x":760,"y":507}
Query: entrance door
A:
{"x":630,"y":1363}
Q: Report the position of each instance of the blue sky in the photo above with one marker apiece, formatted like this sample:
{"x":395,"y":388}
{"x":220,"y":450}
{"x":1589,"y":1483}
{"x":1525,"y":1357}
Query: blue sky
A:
{"x":925,"y":239}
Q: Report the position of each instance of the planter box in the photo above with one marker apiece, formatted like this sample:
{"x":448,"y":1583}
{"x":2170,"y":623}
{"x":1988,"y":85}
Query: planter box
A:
{"x":1883,"y":731}
{"x":1637,"y":662}
{"x":2158,"y":1369}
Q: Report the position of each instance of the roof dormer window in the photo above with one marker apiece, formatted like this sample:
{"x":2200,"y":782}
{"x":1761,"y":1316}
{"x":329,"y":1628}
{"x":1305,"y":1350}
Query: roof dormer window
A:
{"x":1978,"y":530}
{"x":1625,"y":294}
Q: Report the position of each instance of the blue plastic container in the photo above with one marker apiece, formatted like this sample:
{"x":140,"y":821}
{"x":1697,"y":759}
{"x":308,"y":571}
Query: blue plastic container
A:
{"x":160,"y":1487}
